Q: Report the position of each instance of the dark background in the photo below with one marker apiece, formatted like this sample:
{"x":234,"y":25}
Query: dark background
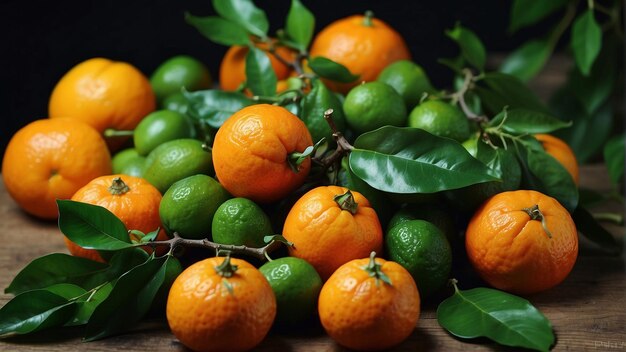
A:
{"x":41,"y":41}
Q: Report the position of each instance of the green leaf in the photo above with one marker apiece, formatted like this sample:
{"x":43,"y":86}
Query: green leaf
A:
{"x":54,"y":269}
{"x":219,"y":30}
{"x":504,"y":318}
{"x":244,"y":13}
{"x":128,"y":301}
{"x":215,"y":106}
{"x":472,"y":49}
{"x":411,"y":160}
{"x":32,"y":311}
{"x":260,"y":76}
{"x":523,"y":121}
{"x":528,"y":12}
{"x":92,"y":226}
{"x":586,"y":41}
{"x":614,"y":156}
{"x":588,"y":134}
{"x":527,"y":60}
{"x":543,"y":173}
{"x":497,"y":90}
{"x":455,"y":64}
{"x":88,"y":306}
{"x":67,"y":291}
{"x":300,"y":24}
{"x":314,"y":105}
{"x":332,"y":70}
{"x":589,"y":227}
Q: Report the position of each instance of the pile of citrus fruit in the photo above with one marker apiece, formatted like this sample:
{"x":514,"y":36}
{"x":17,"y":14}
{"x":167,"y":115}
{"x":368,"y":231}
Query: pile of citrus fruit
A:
{"x":118,"y":139}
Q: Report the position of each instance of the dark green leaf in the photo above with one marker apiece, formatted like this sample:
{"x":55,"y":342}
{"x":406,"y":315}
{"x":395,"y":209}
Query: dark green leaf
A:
{"x":244,"y":13}
{"x":586,"y":41}
{"x":472,"y":49}
{"x":33,"y":311}
{"x":300,"y":24}
{"x":314,"y":105}
{"x":545,"y":174}
{"x":523,"y":121}
{"x":120,"y":263}
{"x":497,"y":90}
{"x":527,"y":60}
{"x":332,"y":70}
{"x":219,"y":30}
{"x":128,"y":301}
{"x":589,"y":197}
{"x":527,"y":12}
{"x":588,"y":134}
{"x":411,"y":160}
{"x":614,"y":156}
{"x":150,"y":236}
{"x":506,"y":319}
{"x":67,"y":291}
{"x":87,"y":306}
{"x":92,"y":226}
{"x":455,"y":64}
{"x":53,"y":269}
{"x":215,"y":106}
{"x":589,"y":227}
{"x":260,"y":77}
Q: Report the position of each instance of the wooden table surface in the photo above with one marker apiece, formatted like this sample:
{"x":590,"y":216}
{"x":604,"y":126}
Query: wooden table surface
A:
{"x":588,"y":310}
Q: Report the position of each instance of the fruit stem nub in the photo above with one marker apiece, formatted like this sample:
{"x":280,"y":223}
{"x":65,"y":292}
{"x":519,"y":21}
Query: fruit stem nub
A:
{"x":367,"y":20}
{"x":118,"y":187}
{"x":375,"y":270}
{"x":226,"y":269}
{"x":346,"y":202}
{"x":536,"y":214}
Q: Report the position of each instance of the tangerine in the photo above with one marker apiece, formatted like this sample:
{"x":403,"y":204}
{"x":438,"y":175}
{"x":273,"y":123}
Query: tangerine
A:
{"x":331,"y":225}
{"x":254,"y":149}
{"x":363,"y":44}
{"x":561,"y":152}
{"x":49,"y":159}
{"x":522,"y":242}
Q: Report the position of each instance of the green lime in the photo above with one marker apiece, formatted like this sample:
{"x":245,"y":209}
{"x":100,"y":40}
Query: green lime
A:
{"x":470,"y":197}
{"x":175,"y":160}
{"x":441,"y":119}
{"x":240,"y":221}
{"x":178,"y":72}
{"x":128,"y":162}
{"x":432,"y":213}
{"x":189,"y":205}
{"x":176,"y":102}
{"x":408,"y":79}
{"x":296,"y":285}
{"x":159,"y":127}
{"x":422,"y":249}
{"x":315,"y":104}
{"x":471,"y":145}
{"x":372,"y":105}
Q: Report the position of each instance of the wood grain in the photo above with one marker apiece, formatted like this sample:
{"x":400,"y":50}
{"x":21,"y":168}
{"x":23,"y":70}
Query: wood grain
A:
{"x":588,"y":310}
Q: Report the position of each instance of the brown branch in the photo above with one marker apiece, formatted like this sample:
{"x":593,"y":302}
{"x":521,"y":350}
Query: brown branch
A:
{"x":343,"y":146}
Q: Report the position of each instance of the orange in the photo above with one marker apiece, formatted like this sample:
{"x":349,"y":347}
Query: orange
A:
{"x":132,"y":199}
{"x":329,"y":226}
{"x":522,"y":242}
{"x":221,"y":304}
{"x":369,"y":304}
{"x":48,"y":160}
{"x":561,"y":152}
{"x":103,"y":93}
{"x":251,"y":153}
{"x":233,"y":65}
{"x":363,"y":44}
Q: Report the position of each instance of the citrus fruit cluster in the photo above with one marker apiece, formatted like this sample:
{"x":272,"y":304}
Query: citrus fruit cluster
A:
{"x":118,"y":139}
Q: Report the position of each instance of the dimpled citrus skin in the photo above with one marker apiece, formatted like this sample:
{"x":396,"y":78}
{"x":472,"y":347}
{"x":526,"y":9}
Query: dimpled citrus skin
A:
{"x":205,"y":316}
{"x":103,"y":93}
{"x":514,"y":253}
{"x":250,"y":153}
{"x":364,"y":50}
{"x":361,"y":315}
{"x":561,"y":152}
{"x":325,"y":235}
{"x":49,"y":159}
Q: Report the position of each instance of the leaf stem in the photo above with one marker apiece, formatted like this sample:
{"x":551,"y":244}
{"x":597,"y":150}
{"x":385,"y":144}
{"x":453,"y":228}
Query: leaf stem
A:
{"x":616,"y":218}
{"x":459,"y":96}
{"x":343,"y":146}
{"x":564,"y":23}
{"x":110,"y":132}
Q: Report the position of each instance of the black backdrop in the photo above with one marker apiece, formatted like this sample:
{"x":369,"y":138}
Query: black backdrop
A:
{"x":40,"y":41}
